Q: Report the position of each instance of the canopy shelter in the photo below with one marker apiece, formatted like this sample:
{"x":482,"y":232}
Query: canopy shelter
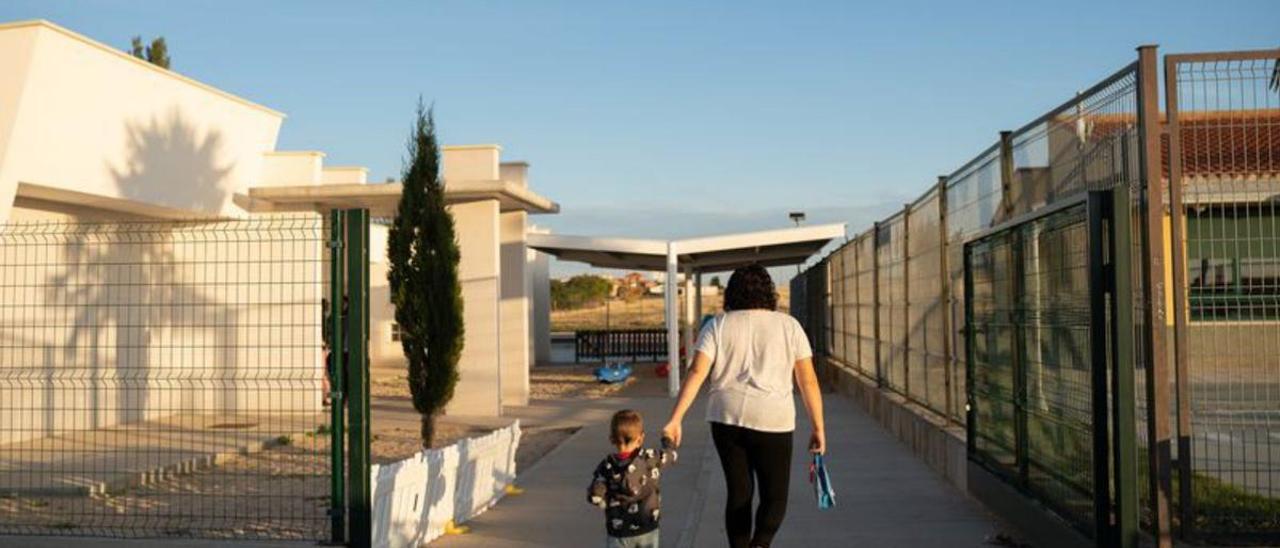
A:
{"x":692,"y":256}
{"x":381,"y":199}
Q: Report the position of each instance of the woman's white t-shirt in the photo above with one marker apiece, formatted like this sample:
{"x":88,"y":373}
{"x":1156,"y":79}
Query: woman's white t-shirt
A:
{"x":753,"y":355}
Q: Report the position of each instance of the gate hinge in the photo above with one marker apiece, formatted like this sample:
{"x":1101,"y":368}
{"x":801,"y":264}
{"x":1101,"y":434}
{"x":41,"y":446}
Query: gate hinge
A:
{"x":334,"y":244}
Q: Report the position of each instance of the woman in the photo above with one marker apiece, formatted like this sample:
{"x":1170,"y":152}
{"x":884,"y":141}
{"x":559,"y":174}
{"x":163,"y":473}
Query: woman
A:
{"x":751,"y":354}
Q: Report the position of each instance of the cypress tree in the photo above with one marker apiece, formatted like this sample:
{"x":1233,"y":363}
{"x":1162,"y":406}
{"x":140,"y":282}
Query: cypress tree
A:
{"x":423,"y":254}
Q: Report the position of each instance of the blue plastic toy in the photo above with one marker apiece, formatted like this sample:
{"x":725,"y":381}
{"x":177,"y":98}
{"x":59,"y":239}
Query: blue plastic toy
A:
{"x":613,"y":373}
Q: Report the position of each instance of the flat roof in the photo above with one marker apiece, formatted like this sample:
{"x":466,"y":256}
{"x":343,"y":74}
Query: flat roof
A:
{"x":382,"y":198}
{"x":709,"y":254}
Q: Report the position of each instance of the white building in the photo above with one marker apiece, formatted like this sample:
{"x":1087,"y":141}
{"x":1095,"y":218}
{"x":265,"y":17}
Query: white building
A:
{"x":89,"y":133}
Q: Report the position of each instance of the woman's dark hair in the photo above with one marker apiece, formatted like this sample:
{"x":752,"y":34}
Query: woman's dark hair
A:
{"x":750,"y":287}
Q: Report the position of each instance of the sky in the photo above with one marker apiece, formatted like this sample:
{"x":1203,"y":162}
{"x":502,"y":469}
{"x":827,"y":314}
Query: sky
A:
{"x":670,"y":119}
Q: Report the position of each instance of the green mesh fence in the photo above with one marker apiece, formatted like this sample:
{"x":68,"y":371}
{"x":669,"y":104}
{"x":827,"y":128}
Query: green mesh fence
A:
{"x":164,"y":379}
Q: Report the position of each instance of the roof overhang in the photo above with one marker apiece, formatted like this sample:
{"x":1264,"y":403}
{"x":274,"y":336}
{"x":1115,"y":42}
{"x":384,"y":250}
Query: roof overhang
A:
{"x":709,"y":254}
{"x":133,"y":208}
{"x":381,"y":199}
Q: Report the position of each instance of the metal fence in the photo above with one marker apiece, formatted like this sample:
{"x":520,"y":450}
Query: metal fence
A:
{"x":632,"y":344}
{"x":166,"y":379}
{"x":890,"y":303}
{"x":1224,"y":151}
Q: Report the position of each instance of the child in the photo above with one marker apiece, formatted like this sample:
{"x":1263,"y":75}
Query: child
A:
{"x":625,"y":484}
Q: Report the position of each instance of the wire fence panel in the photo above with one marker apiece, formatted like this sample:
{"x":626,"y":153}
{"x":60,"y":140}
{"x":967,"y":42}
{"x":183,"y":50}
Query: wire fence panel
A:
{"x":1226,"y":119}
{"x":849,"y":303}
{"x":164,"y":379}
{"x":1031,"y":364}
{"x":891,"y":256}
{"x":835,"y":306}
{"x":864,"y":247}
{"x":925,"y":308}
{"x":1222,"y":154}
{"x":1052,"y":313}
{"x":973,"y":200}
{"x":991,"y":358}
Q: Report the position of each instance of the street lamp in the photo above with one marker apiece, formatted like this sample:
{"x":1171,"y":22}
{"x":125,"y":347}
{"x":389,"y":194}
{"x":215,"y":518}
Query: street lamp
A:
{"x":797,"y":217}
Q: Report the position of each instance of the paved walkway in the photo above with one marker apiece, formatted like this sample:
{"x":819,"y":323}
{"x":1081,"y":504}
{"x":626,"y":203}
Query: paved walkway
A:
{"x":886,"y":496}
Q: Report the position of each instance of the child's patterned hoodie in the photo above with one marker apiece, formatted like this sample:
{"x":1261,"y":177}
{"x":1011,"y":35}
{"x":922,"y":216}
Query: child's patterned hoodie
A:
{"x":626,"y":486}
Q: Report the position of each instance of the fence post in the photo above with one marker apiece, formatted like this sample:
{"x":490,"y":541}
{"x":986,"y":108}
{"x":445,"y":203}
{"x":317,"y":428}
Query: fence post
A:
{"x":1099,"y":210}
{"x":358,"y":403}
{"x":337,"y":389}
{"x":1017,"y":316}
{"x":906,"y":302}
{"x":1018,"y":367}
{"x":944,"y":297}
{"x":1159,"y":451}
{"x":875,"y":299}
{"x":970,"y":407}
{"x":857,"y":307}
{"x":1124,"y":428}
{"x":1182,"y":383}
{"x":1006,"y":173}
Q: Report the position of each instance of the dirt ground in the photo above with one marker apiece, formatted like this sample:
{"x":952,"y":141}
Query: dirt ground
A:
{"x":570,"y":382}
{"x":278,"y":493}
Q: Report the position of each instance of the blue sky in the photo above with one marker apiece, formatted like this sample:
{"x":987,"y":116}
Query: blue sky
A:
{"x":670,"y":119}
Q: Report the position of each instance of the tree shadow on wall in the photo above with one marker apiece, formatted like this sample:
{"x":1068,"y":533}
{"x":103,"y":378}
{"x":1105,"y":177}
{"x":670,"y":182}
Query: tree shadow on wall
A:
{"x":143,"y":296}
{"x":173,"y":164}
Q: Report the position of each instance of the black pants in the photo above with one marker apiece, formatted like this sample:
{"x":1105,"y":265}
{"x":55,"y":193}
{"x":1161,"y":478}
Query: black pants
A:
{"x":751,"y":457}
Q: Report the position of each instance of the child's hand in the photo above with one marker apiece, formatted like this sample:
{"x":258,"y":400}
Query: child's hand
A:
{"x":672,"y":431}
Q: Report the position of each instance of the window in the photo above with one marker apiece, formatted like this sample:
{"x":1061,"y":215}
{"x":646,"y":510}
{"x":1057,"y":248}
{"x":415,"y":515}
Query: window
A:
{"x":1233,"y":262}
{"x":395,"y":332}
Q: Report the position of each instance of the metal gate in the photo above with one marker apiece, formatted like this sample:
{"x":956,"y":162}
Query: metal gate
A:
{"x":170,"y":379}
{"x":1048,"y":319}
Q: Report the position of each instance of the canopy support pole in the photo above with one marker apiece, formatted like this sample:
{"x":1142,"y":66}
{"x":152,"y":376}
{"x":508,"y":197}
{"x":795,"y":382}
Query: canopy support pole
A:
{"x":669,"y":290}
{"x":697,"y":304}
{"x":689,"y":316}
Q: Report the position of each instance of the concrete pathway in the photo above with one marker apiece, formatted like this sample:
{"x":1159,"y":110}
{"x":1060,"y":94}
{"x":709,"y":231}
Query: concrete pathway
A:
{"x":886,"y":496}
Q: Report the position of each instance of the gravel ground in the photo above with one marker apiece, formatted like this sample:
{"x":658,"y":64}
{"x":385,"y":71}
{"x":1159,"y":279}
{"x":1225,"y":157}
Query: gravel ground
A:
{"x":280,"y":493}
{"x":277,"y":493}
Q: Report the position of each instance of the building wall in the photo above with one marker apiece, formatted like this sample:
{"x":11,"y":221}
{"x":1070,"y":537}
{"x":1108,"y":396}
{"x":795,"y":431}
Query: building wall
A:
{"x":516,"y":287}
{"x":477,"y":225}
{"x":108,"y":324}
{"x":292,"y":168}
{"x":135,"y":131}
{"x":17,"y":48}
{"x":383,"y":350}
{"x":539,"y":270}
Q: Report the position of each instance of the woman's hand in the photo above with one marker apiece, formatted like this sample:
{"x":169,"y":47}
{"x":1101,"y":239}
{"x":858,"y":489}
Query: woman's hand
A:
{"x":818,"y":442}
{"x":672,"y":431}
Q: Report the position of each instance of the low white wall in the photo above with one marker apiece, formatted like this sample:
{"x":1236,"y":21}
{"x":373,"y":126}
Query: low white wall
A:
{"x":414,"y":499}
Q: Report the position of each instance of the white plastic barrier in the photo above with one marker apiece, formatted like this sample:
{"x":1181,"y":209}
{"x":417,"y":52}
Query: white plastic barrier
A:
{"x":414,"y":499}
